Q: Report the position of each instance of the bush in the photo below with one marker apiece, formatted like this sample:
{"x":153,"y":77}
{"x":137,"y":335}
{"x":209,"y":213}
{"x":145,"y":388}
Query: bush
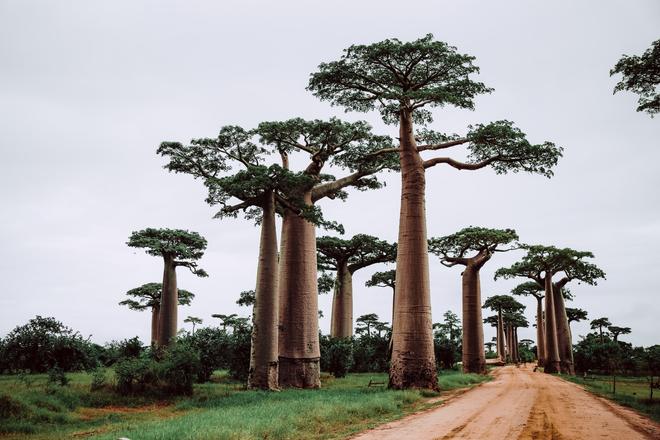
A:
{"x":180,"y":368}
{"x":115,"y":351}
{"x":213,"y":346}
{"x":239,"y":352}
{"x":56,"y":376}
{"x":44,"y":343}
{"x":98,"y":379}
{"x":339,"y":356}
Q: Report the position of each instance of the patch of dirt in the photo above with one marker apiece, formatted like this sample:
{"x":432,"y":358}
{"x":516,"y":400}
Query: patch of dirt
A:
{"x":521,"y":404}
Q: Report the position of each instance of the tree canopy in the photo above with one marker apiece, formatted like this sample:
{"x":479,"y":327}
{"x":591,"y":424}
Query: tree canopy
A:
{"x":246,"y":298}
{"x":184,"y":247}
{"x":459,"y":247}
{"x":358,"y":252}
{"x":600,"y":323}
{"x":575,"y":315}
{"x":641,"y":75}
{"x":148,"y":296}
{"x":540,"y":259}
{"x":382,"y":279}
{"x":502,"y":303}
{"x":515,"y":318}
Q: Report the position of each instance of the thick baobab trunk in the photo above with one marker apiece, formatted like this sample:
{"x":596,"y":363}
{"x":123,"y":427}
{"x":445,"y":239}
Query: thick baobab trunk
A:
{"x":413,"y":357}
{"x":563,"y":334}
{"x":501,"y":339}
{"x":299,"y":352}
{"x":516,"y":348}
{"x":264,"y":349}
{"x":155,"y":311}
{"x":474,"y":359}
{"x":551,"y":344}
{"x":341,"y":322}
{"x":540,"y":335}
{"x":167,"y":321}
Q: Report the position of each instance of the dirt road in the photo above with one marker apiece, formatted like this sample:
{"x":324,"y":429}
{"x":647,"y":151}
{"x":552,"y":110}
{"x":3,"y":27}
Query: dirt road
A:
{"x":521,"y":404}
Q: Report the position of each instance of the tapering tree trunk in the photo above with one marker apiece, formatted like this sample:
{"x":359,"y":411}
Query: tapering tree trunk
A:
{"x":540,"y":336}
{"x":167,"y":321}
{"x":501,"y":339}
{"x":298,"y":341}
{"x":264,"y":350}
{"x":155,"y":311}
{"x":551,"y":344}
{"x":413,"y":357}
{"x":341,"y":322}
{"x":563,"y":334}
{"x":474,"y":359}
{"x":516,"y":348}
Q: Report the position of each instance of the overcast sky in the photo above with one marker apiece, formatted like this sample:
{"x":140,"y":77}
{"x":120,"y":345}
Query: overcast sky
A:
{"x":88,"y":90}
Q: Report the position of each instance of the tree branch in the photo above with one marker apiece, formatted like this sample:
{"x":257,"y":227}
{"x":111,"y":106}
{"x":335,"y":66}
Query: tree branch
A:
{"x":459,"y":165}
{"x":443,"y":145}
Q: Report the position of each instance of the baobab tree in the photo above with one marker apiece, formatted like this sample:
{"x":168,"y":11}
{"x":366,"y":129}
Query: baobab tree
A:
{"x":177,"y":247}
{"x":574,"y":315}
{"x":599,"y":324}
{"x":384,"y":279}
{"x":402,"y":80}
{"x":148,"y":296}
{"x":531,"y":288}
{"x":502,"y":304}
{"x":345,"y":257}
{"x":616,"y":331}
{"x":540,"y":265}
{"x":489,"y":345}
{"x":513,"y":320}
{"x":472,"y":247}
{"x":194,"y":321}
{"x":641,"y":75}
{"x":226,"y":320}
{"x":366,"y":322}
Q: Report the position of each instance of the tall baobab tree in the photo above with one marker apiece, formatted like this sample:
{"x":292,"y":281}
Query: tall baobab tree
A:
{"x":599,"y":324}
{"x":541,"y":264}
{"x":616,"y":331}
{"x":148,"y":296}
{"x":531,"y":288}
{"x":472,"y":247}
{"x":345,"y":257}
{"x":502,"y":304}
{"x":641,"y":75}
{"x":194,"y":321}
{"x":178,"y":248}
{"x":402,"y":80}
{"x":574,"y":315}
{"x":512,"y":322}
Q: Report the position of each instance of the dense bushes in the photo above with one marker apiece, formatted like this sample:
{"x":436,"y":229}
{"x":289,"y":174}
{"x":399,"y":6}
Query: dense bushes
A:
{"x":337,"y":355}
{"x":610,"y":357}
{"x":43,"y":344}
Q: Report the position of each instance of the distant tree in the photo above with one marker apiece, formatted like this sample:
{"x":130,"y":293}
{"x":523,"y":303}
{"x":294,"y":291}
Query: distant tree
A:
{"x":148,"y":296}
{"x":177,"y":247}
{"x":472,"y":247}
{"x":531,"y":288}
{"x":489,"y":345}
{"x":616,"y":331}
{"x":366,"y":322}
{"x":447,"y":337}
{"x":575,"y":315}
{"x":402,"y":80}
{"x":193,"y":320}
{"x":501,"y":304}
{"x":641,"y":75}
{"x":513,"y":320}
{"x":599,"y":324}
{"x":541,"y":264}
{"x":526,"y":342}
{"x":226,"y":320}
{"x":384,"y":279}
{"x":346,"y":257}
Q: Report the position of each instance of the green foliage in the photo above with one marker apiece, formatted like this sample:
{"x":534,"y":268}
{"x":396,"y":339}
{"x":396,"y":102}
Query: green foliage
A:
{"x":454,"y":248}
{"x":503,"y":303}
{"x":148,"y":296}
{"x":239,"y":359}
{"x":214,"y":347}
{"x":43,"y":344}
{"x":391,"y":73}
{"x":57,"y":376}
{"x":246,"y":298}
{"x":382,"y":279}
{"x":641,"y":75}
{"x":118,"y":350}
{"x":447,"y":341}
{"x":358,"y":252}
{"x":575,"y":315}
{"x":184,"y":246}
{"x":337,"y":356}
{"x":529,"y":288}
{"x":326,"y":283}
{"x":600,"y":323}
{"x":99,"y":379}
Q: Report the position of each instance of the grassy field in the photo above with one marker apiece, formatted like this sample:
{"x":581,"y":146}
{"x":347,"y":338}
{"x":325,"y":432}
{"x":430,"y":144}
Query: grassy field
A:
{"x":632,"y":392}
{"x":32,"y":409}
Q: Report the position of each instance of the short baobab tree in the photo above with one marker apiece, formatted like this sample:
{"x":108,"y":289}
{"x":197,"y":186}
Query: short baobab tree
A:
{"x":616,"y":331}
{"x":502,"y":304}
{"x":472,"y":247}
{"x":194,"y":321}
{"x":148,"y":296}
{"x":177,"y":247}
{"x":402,"y":80}
{"x":599,"y":324}
{"x":345,"y":257}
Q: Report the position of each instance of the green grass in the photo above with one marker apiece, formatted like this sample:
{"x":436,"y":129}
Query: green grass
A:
{"x":632,"y":392}
{"x":217,"y":410}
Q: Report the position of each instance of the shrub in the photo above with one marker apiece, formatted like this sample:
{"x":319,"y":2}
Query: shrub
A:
{"x":98,"y":379}
{"x":179,"y":368}
{"x":115,"y":351}
{"x":239,"y":352}
{"x":339,"y":356}
{"x":213,"y":345}
{"x":56,"y":376}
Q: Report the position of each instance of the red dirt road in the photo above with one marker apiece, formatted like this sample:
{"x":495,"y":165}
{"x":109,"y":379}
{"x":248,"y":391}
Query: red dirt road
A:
{"x":521,"y":404}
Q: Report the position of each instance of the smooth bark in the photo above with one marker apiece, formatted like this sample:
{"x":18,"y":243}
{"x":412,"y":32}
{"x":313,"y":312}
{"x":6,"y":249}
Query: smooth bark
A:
{"x":501,"y":339}
{"x":341,"y":321}
{"x":155,"y":312}
{"x":552,"y":348}
{"x":413,"y":357}
{"x":167,"y":321}
{"x":540,"y":336}
{"x":263,"y":373}
{"x":474,"y":359}
{"x":298,"y":341}
{"x":563,"y":333}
